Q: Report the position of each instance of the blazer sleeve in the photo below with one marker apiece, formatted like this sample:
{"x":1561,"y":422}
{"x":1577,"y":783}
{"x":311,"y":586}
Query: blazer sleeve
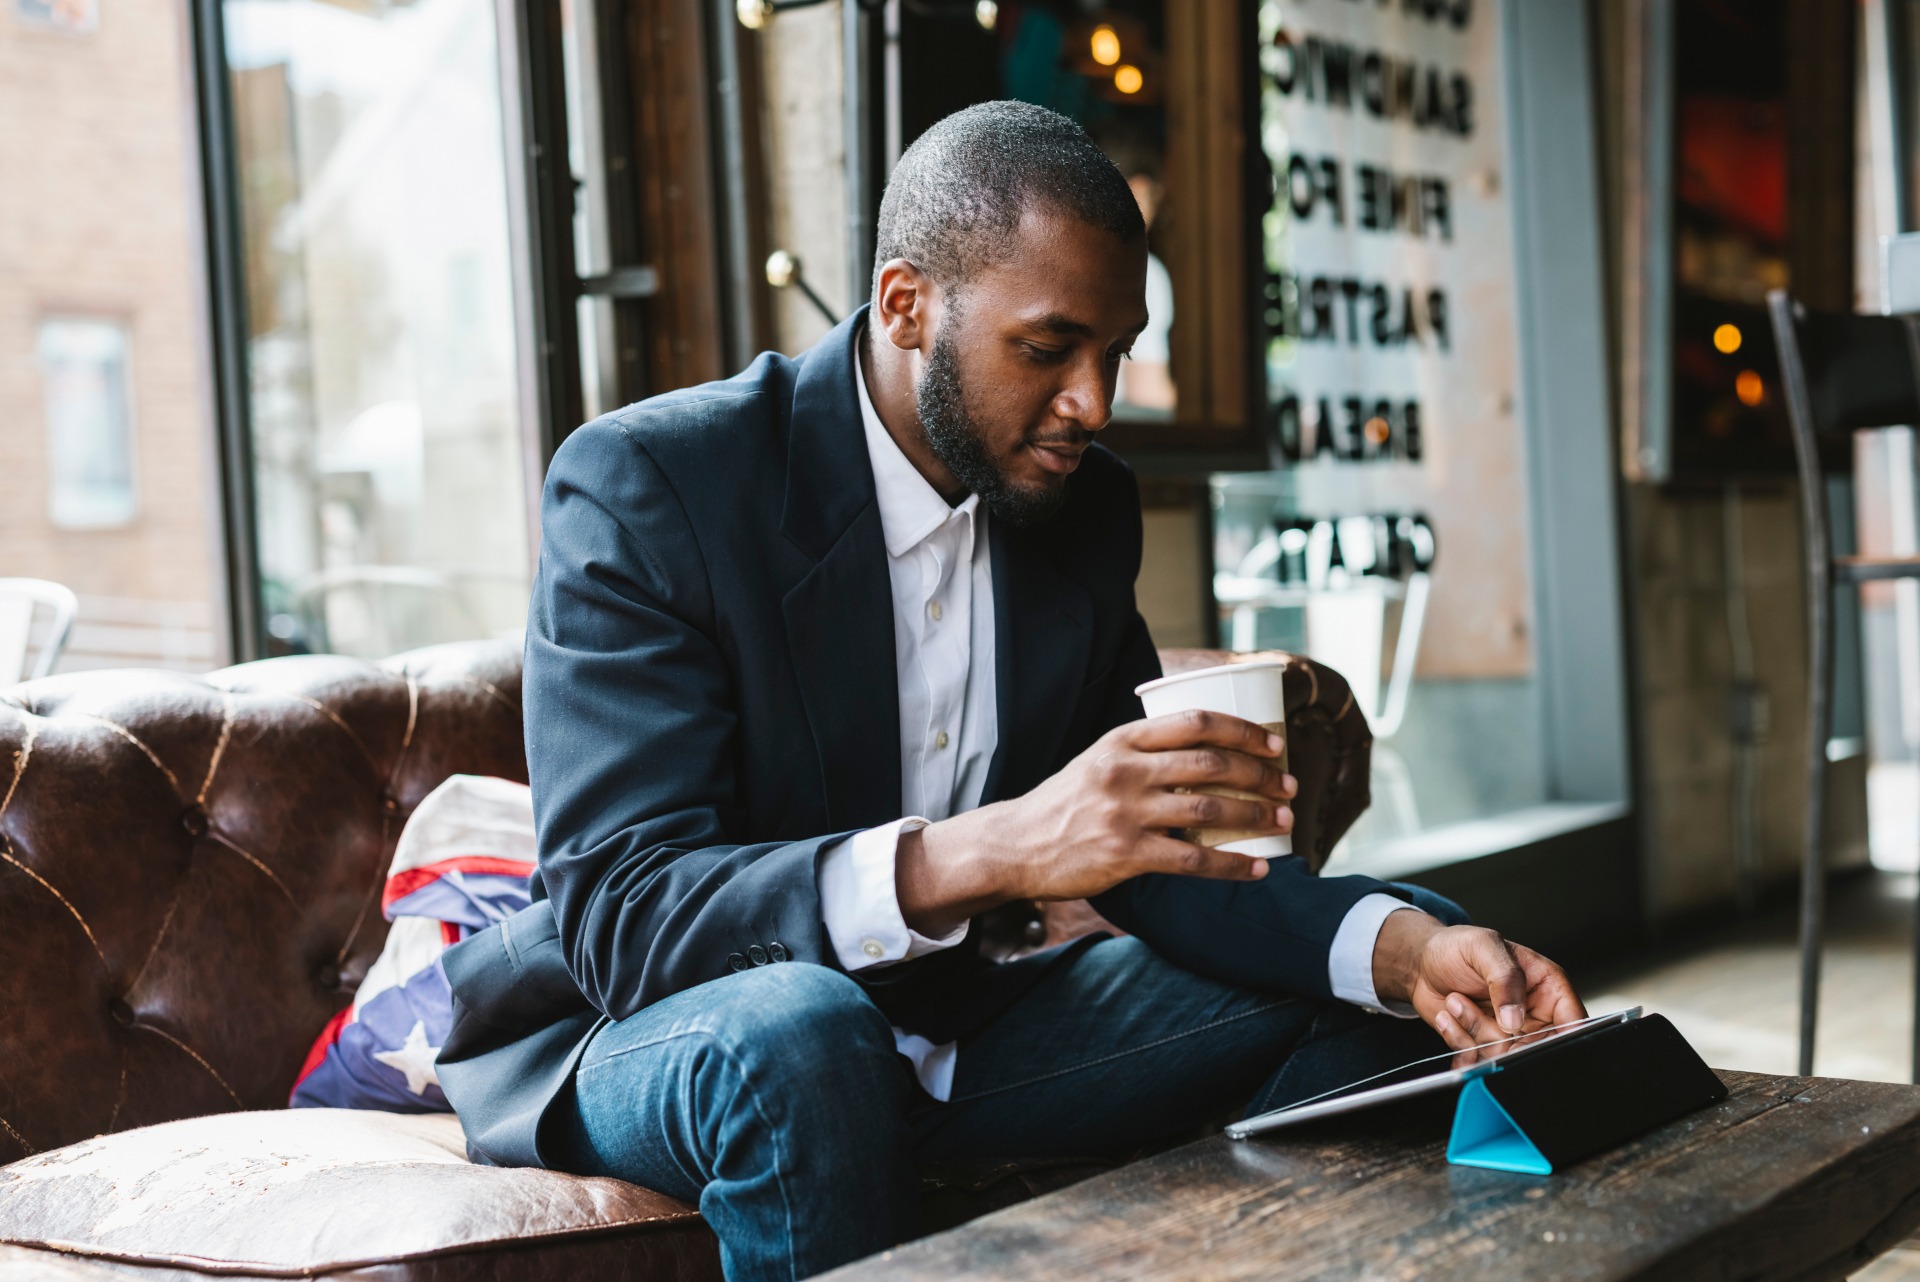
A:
{"x":630,"y":722}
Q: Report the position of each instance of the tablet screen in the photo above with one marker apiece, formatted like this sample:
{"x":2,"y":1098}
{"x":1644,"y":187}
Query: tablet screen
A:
{"x":1422,"y":1076}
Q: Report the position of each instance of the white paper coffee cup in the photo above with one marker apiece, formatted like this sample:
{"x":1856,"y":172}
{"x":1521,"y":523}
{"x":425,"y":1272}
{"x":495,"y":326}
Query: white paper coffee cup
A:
{"x":1251,"y":691}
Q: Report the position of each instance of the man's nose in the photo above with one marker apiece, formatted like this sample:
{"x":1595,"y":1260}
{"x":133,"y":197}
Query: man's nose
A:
{"x":1087,"y":399}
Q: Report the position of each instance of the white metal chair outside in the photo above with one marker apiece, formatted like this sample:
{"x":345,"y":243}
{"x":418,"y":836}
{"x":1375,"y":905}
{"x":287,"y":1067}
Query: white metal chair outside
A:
{"x":19,"y":600}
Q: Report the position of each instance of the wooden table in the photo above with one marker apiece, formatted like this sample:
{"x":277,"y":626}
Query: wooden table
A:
{"x":1790,"y":1177}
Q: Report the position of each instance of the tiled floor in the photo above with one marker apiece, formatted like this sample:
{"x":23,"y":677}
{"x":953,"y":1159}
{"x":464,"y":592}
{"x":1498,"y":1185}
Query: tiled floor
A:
{"x":1736,"y":998}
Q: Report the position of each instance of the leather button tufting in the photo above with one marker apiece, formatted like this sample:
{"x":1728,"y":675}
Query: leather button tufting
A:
{"x":194,"y":820}
{"x":121,"y":1012}
{"x":389,"y":802}
{"x":328,"y":977}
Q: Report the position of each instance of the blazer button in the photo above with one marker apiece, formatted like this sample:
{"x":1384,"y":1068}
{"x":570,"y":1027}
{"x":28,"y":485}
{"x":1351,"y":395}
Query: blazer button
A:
{"x":758,"y":954}
{"x":736,"y":961}
{"x":777,"y":951}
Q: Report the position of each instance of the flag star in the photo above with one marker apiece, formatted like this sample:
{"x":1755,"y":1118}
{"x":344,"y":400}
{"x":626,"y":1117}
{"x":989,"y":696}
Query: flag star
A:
{"x":414,"y":1058}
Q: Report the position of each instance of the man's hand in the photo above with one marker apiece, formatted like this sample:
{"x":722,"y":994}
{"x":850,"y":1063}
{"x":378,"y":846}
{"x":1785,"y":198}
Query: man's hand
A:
{"x":1469,"y":984}
{"x":1102,"y":820}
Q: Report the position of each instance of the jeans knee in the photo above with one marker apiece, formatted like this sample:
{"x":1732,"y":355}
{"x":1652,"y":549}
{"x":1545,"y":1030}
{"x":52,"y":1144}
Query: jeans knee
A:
{"x":803,"y":1015}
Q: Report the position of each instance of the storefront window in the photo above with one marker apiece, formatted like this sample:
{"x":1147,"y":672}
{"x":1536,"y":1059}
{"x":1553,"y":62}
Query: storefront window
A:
{"x":108,"y":488}
{"x":388,"y":481}
{"x":1394,"y":543}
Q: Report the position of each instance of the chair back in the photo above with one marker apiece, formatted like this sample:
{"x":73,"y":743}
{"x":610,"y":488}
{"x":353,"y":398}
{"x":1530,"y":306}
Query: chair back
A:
{"x":33,"y":610}
{"x":1853,"y":371}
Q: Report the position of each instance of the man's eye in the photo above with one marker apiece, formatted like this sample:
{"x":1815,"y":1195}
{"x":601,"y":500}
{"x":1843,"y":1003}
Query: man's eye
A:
{"x":1117,"y":357}
{"x":1045,"y":355}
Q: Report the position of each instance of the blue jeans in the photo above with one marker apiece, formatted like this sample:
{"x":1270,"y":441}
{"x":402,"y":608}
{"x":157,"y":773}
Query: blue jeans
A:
{"x":776,"y":1100}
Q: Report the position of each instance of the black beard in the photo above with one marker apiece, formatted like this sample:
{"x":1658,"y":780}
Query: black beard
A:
{"x":959,"y":443}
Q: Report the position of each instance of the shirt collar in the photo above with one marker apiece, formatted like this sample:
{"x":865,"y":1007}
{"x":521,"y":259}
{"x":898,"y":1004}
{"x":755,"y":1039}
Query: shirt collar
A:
{"x":910,"y":508}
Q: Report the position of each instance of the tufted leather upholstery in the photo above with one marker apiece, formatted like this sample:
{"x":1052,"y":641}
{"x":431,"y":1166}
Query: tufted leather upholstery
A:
{"x":190,"y":871}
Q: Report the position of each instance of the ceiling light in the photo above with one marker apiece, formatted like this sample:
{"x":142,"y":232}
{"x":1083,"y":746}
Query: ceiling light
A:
{"x":1105,"y":45}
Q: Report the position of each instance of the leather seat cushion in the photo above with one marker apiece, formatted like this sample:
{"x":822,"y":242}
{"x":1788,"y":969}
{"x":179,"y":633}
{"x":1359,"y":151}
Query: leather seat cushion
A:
{"x":309,"y":1192}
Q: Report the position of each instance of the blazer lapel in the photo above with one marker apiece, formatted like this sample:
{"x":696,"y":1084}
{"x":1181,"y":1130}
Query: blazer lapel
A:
{"x":1043,"y":635}
{"x":839,"y":616}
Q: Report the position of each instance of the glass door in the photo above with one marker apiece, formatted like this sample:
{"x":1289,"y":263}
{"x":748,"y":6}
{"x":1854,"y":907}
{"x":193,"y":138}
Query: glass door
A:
{"x":382,"y":375}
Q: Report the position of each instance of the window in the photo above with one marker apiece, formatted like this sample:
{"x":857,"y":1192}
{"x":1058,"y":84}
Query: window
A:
{"x":1441,"y":476}
{"x":382,"y":363}
{"x":108,"y":487}
{"x":83,"y":366}
{"x":62,"y":15}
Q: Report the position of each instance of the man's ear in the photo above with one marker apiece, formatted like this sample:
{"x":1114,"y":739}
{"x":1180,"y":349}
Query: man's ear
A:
{"x":904,"y":304}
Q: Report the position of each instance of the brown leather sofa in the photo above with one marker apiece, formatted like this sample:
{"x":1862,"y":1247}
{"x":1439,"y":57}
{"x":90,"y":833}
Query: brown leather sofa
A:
{"x":190,"y":873}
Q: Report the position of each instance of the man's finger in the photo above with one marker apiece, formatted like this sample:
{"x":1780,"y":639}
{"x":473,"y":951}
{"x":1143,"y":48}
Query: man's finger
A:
{"x":1506,"y":982}
{"x":1197,"y":729}
{"x":1216,"y":768}
{"x":1549,"y":989}
{"x":1456,"y":1037}
{"x":1164,"y":854}
{"x":1204,"y":810}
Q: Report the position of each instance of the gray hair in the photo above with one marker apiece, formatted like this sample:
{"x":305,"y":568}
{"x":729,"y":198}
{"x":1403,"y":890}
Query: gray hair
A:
{"x":956,"y":197}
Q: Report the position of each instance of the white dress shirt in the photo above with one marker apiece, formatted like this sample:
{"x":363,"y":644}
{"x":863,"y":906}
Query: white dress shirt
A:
{"x":942,"y":580}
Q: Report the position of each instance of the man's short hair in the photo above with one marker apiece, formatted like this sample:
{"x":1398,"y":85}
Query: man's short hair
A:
{"x":956,"y":196}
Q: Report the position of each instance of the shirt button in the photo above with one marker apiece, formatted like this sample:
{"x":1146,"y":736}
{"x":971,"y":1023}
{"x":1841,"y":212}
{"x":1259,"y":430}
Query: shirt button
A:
{"x":934,"y":610}
{"x":873,"y":949}
{"x":940,"y":740}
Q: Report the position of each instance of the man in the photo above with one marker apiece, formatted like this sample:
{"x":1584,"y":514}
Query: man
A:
{"x":825,"y":660}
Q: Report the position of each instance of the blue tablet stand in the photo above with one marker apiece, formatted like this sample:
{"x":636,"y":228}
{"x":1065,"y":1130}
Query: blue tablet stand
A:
{"x":1547,"y":1108}
{"x":1483,"y":1135}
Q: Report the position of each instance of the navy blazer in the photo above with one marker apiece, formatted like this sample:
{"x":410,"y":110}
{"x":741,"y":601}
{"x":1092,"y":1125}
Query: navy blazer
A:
{"x":711,"y":699}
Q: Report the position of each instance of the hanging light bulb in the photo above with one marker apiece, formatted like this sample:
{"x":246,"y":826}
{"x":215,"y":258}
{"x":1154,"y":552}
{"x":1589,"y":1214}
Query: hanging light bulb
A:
{"x":1105,"y":45}
{"x":753,"y":14}
{"x":987,"y":14}
{"x":1127,"y":78}
{"x":782,"y":267}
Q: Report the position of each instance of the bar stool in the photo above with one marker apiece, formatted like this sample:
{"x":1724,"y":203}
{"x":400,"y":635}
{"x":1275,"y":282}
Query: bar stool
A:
{"x":1842,"y":372}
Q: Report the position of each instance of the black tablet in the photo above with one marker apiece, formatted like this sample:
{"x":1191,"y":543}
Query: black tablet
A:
{"x":1421,"y":1077}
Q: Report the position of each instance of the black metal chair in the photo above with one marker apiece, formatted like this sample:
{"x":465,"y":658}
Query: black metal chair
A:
{"x":1841,"y":373}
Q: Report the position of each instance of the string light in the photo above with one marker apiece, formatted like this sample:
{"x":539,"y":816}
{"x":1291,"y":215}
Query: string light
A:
{"x":1127,"y":78}
{"x":1105,"y":46}
{"x":1727,"y":339}
{"x":1748,"y":387}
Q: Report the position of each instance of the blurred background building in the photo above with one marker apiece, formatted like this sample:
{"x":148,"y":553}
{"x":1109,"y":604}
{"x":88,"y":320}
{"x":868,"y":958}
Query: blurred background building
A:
{"x":1458,"y":378}
{"x":108,"y":484}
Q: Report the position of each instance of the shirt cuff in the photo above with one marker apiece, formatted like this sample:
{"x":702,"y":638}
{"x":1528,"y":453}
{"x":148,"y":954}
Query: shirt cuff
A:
{"x":860,"y":900}
{"x":1350,"y":960}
